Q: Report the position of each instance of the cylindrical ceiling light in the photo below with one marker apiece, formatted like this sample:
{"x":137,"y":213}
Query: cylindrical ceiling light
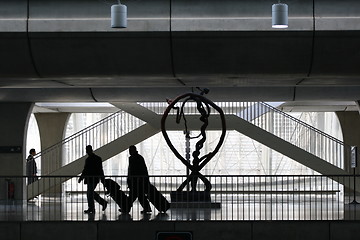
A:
{"x":280,"y":15}
{"x":118,"y":16}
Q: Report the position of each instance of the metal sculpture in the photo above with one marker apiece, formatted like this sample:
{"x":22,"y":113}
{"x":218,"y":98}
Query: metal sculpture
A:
{"x":203,"y":106}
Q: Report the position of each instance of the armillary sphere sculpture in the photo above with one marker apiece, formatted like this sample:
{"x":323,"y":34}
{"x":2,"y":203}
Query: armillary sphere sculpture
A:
{"x":203,"y":106}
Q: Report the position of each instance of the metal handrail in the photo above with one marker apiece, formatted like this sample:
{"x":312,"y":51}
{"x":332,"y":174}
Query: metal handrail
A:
{"x":296,"y":135}
{"x":240,"y":197}
{"x":332,"y":150}
{"x":74,"y":135}
{"x":303,"y":123}
{"x":301,"y":134}
{"x":97,"y":134}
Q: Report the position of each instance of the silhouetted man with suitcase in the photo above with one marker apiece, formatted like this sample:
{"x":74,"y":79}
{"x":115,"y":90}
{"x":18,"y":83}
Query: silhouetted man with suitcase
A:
{"x":138,"y":179}
{"x":93,"y":173}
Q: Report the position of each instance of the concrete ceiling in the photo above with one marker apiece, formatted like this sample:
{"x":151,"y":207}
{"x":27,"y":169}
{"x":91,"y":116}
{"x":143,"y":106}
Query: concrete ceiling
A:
{"x":64,"y":51}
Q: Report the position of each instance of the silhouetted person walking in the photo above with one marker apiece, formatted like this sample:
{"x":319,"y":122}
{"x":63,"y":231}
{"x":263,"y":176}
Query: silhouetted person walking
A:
{"x":31,"y":169}
{"x":138,"y":179}
{"x":93,"y":173}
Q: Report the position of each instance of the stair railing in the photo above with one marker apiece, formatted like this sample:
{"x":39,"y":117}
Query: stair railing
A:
{"x":280,"y":124}
{"x":97,"y":135}
{"x":297,"y":132}
{"x":260,"y":114}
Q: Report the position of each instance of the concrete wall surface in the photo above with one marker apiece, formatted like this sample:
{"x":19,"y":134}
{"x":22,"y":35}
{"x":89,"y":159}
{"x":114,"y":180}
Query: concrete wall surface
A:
{"x":244,"y":230}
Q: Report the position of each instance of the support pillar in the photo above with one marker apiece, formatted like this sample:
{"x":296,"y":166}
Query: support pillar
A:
{"x":350,"y":126}
{"x":14,"y":119}
{"x":52,"y":130}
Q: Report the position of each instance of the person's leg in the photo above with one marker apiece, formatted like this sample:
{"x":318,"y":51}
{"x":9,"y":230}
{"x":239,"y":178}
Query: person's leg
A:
{"x":143,"y":199}
{"x":90,"y":196}
{"x":144,"y":202}
{"x":132,"y":193}
{"x":99,"y":199}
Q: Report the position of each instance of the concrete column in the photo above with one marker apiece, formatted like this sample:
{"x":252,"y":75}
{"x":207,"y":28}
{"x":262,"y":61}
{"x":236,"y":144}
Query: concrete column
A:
{"x":52,"y":130}
{"x":350,"y":126}
{"x":14,"y":118}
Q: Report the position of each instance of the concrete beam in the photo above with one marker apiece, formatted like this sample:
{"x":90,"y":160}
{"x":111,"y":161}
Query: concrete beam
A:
{"x":297,"y":154}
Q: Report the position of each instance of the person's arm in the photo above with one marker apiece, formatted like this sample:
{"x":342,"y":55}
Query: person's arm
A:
{"x":144,"y":167}
{"x":28,"y":169}
{"x":129,"y":177}
{"x":32,"y":167}
{"x":102,"y":175}
{"x":80,"y":179}
{"x":35,"y":168}
{"x":83,"y":172}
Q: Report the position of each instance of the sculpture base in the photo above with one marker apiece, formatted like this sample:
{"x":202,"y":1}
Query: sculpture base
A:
{"x":191,"y":196}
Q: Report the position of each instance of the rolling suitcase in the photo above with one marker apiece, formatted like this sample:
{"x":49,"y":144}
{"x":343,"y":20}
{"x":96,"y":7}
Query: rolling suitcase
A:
{"x":122,"y":200}
{"x":157,"y":199}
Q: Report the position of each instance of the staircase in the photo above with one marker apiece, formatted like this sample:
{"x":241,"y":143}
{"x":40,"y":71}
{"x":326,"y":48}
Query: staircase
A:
{"x":296,"y":132}
{"x":284,"y":134}
{"x":277,"y":123}
{"x":137,"y":122}
{"x":109,"y":137}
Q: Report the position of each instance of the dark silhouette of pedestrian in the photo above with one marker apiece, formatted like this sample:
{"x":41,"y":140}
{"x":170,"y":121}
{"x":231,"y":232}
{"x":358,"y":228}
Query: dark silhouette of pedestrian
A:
{"x":31,"y":169}
{"x":93,"y":173}
{"x":138,"y":179}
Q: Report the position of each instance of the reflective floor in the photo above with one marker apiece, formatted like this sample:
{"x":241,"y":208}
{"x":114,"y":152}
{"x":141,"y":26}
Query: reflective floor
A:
{"x":70,"y":208}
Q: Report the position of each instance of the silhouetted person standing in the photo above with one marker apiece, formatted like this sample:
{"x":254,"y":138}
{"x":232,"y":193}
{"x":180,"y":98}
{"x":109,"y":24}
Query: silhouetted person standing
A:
{"x":31,"y":169}
{"x":138,"y":179}
{"x":93,"y":173}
